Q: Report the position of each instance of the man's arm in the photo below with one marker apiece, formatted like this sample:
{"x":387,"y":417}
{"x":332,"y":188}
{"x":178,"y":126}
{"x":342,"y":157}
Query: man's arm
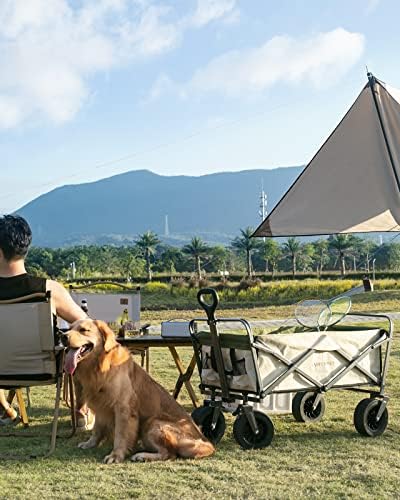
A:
{"x":66,"y":308}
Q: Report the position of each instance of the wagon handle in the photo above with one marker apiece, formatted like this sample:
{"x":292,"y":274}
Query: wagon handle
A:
{"x":208,"y":307}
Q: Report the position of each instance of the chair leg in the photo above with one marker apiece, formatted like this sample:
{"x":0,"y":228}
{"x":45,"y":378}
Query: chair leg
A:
{"x":55,"y":418}
{"x":147,"y":351}
{"x":22,"y":407}
{"x":66,"y":390}
{"x":11,"y":395}
{"x":72,"y":399}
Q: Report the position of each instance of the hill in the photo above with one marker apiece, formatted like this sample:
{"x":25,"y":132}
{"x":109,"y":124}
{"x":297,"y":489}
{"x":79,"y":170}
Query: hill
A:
{"x":116,"y":209}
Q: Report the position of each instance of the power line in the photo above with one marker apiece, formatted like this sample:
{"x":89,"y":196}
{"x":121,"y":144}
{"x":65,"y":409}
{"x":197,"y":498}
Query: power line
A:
{"x":160,"y":146}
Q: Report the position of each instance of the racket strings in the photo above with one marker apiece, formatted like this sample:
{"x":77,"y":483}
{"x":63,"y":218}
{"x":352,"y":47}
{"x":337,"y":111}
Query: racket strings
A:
{"x":315,"y":313}
{"x":312,"y":313}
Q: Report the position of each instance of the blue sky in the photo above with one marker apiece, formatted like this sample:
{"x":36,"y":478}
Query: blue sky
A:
{"x":92,"y":88}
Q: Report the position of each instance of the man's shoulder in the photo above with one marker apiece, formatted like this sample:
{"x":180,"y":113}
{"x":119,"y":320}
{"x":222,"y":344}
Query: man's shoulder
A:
{"x":57,"y":291}
{"x":54,"y":286}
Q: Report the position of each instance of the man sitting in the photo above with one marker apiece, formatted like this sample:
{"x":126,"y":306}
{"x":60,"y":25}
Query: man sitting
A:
{"x":15,"y":282}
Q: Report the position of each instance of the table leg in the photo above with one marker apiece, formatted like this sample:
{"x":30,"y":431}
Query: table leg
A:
{"x":22,"y":408}
{"x":184,"y":376}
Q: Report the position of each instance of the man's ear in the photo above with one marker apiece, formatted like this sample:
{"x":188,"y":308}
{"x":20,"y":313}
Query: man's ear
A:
{"x":107,"y":334}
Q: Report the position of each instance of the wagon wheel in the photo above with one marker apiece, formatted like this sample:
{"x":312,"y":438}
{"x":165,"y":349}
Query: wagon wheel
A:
{"x":302,"y":407}
{"x":203,"y":418}
{"x":365,"y":418}
{"x":244,"y":435}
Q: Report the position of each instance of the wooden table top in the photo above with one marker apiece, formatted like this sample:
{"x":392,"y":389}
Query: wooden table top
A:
{"x":155,"y":341}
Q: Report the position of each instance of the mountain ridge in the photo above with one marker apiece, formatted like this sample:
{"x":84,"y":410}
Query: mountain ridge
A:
{"x":128,"y":204}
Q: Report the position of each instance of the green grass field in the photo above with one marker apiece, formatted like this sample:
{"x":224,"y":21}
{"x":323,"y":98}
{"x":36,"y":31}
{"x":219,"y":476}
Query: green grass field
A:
{"x":324,"y":460}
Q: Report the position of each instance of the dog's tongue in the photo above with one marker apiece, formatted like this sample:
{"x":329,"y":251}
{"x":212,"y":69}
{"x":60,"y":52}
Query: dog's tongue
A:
{"x":71,"y":360}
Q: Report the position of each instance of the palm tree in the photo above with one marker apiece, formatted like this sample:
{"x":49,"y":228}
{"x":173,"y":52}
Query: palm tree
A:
{"x":245,"y":243}
{"x":271,"y":253}
{"x":365,"y":249}
{"x":342,"y":244}
{"x":147,"y":243}
{"x":196,"y":248}
{"x":306,"y":257}
{"x":293,"y":249}
{"x":321,"y":254}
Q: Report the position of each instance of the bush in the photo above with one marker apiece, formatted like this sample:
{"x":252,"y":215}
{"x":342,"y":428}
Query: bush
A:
{"x":178,"y":282}
{"x":249,"y":283}
{"x":221,"y":286}
{"x":203,"y":283}
{"x":193,"y":282}
{"x":156,"y":286}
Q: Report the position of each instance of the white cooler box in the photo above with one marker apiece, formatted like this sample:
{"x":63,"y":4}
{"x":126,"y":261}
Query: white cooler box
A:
{"x":175,"y":328}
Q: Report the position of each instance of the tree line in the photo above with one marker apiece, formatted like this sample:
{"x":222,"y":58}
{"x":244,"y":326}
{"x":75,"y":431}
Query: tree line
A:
{"x":148,"y":255}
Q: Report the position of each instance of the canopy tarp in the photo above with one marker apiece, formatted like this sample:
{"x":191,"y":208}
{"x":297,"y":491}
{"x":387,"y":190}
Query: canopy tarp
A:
{"x":352,"y":185}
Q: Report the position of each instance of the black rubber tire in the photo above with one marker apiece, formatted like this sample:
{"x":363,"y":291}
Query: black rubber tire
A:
{"x":244,"y":435}
{"x":302,"y":407}
{"x":203,"y":418}
{"x":365,"y":418}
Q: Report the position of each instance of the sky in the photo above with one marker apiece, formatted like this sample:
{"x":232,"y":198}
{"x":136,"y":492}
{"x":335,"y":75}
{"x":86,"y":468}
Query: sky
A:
{"x":93,"y":88}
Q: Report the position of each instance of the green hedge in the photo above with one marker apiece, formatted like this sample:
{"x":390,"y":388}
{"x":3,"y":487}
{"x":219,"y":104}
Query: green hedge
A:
{"x":266,"y":277}
{"x":158,"y":295}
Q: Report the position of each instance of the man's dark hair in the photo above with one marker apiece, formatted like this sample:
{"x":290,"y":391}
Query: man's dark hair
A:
{"x":15,"y":236}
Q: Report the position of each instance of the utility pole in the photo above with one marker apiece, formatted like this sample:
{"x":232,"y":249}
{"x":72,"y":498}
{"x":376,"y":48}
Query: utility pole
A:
{"x":263,"y":203}
{"x":73,"y":269}
{"x":166,"y":227}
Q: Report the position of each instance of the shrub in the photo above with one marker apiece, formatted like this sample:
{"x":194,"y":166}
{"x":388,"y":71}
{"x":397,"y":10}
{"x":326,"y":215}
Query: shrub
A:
{"x":178,"y":282}
{"x":249,"y":283}
{"x":156,"y":286}
{"x":193,"y":282}
{"x":203,"y":283}
{"x":222,"y":285}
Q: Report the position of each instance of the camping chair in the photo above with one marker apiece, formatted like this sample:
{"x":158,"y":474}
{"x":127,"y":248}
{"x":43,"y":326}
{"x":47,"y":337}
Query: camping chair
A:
{"x":31,"y":354}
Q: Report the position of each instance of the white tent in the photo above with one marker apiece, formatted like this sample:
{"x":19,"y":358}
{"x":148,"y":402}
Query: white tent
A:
{"x":352,"y":185}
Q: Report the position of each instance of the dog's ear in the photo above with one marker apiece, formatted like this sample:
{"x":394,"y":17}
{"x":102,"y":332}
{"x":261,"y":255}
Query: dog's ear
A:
{"x":107,"y":334}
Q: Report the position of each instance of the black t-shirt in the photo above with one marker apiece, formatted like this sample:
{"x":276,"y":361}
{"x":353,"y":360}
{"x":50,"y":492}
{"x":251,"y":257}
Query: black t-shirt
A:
{"x":21,"y":285}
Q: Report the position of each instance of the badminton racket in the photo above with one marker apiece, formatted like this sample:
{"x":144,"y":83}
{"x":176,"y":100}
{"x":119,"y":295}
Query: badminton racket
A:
{"x":313,"y":313}
{"x":320,"y":314}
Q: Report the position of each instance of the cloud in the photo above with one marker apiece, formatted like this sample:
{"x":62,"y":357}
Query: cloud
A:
{"x":161,"y":87}
{"x":371,"y":6}
{"x":149,"y":36}
{"x":50,"y":51}
{"x":210,"y":10}
{"x":281,"y":59}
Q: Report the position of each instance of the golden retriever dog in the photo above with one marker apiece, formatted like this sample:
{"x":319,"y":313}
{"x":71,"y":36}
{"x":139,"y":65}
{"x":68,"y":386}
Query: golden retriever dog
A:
{"x":130,"y":406}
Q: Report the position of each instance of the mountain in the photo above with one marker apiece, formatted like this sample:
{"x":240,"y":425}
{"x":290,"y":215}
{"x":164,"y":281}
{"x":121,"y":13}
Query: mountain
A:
{"x":117,"y":209}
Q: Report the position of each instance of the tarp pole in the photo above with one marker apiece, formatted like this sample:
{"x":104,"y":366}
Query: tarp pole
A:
{"x":372,"y":83}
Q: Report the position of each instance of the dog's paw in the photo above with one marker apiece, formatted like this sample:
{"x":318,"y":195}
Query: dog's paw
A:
{"x":85,"y":445}
{"x":138,"y":457}
{"x":113,"y":458}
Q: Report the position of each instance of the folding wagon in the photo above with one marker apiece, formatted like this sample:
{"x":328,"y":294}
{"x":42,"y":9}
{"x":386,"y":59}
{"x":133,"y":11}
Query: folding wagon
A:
{"x":238,"y":369}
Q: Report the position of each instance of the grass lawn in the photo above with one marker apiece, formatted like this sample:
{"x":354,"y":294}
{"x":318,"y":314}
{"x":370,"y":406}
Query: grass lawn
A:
{"x":328,"y":459}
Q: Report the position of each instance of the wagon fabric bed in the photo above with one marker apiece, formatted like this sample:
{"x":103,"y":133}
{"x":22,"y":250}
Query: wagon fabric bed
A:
{"x":243,"y":368}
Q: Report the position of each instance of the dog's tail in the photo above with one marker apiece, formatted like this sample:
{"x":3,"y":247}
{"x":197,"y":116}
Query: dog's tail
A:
{"x":186,"y":446}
